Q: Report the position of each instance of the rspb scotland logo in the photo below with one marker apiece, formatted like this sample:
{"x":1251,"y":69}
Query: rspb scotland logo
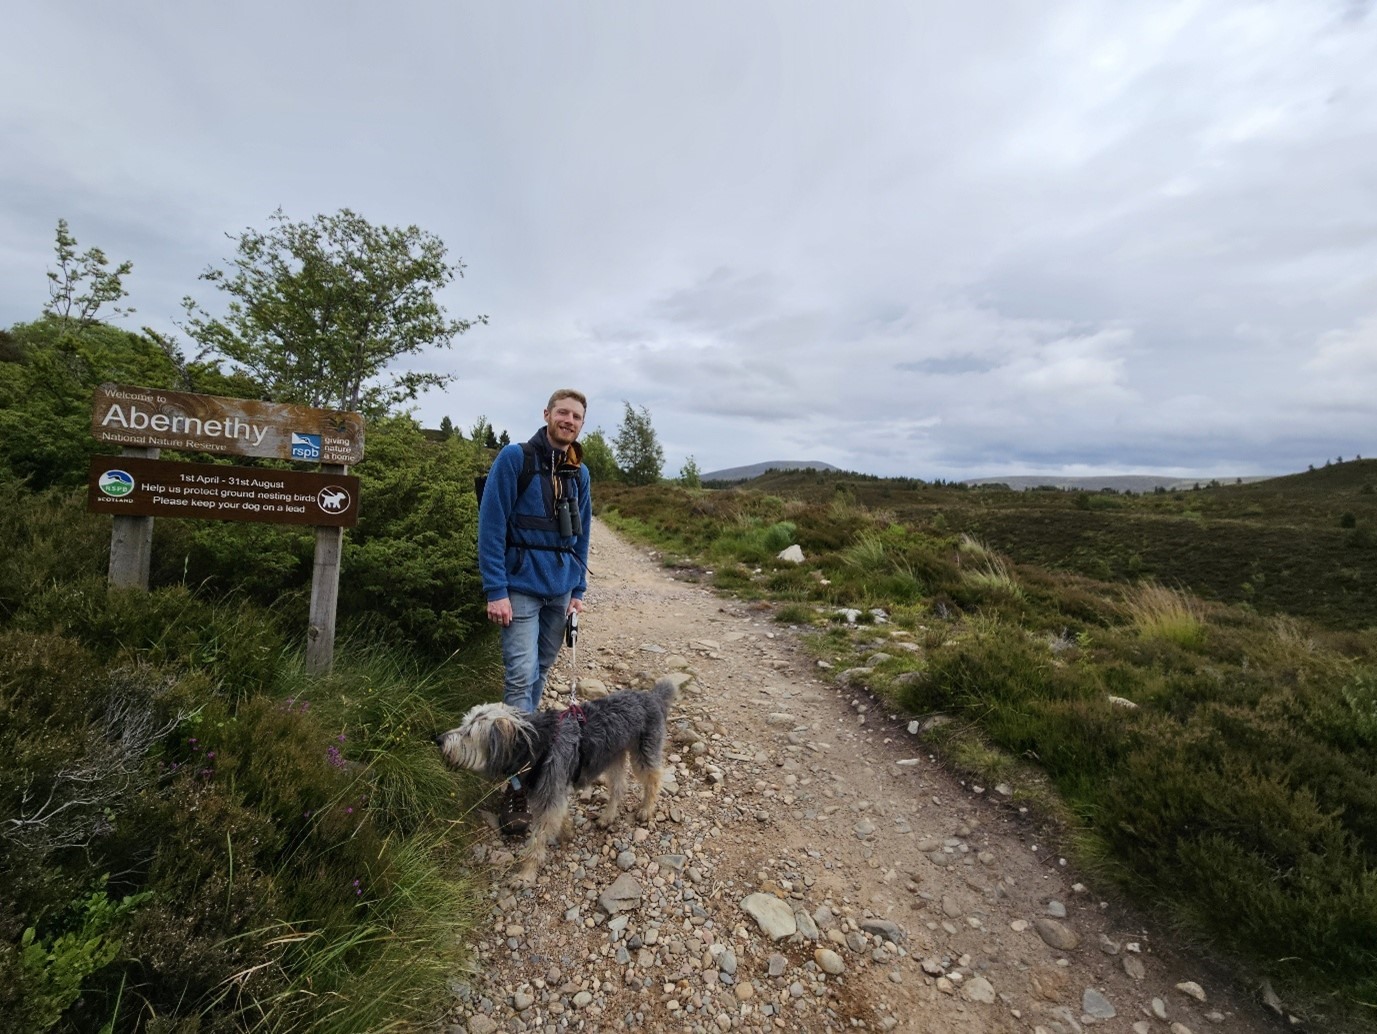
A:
{"x":305,"y":446}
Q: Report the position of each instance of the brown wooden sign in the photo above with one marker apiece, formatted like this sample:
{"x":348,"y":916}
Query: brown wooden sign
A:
{"x":152,"y":418}
{"x":131,"y":486}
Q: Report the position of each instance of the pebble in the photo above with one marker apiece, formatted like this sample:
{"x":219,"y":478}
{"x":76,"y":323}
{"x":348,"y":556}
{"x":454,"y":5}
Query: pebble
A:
{"x":829,"y":961}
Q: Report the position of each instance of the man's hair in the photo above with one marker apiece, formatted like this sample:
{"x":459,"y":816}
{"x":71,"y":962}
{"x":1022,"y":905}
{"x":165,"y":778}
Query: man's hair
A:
{"x":567,"y":393}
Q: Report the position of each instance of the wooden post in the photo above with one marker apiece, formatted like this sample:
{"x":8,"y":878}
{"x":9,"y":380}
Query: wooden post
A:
{"x":320,"y":634}
{"x":131,"y":541}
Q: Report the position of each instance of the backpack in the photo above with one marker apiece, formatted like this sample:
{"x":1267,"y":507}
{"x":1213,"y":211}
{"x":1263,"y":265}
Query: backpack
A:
{"x":528,"y":471}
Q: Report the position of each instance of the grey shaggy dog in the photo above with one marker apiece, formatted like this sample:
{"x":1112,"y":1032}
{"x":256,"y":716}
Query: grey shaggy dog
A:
{"x":554,"y":753}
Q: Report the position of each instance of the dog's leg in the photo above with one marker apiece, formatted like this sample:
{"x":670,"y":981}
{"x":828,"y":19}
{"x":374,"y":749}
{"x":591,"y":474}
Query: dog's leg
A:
{"x":546,"y":827}
{"x":650,"y":778}
{"x":616,"y":790}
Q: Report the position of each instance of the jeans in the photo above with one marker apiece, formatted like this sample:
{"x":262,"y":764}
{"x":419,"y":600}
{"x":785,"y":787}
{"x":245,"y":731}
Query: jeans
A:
{"x":530,"y":646}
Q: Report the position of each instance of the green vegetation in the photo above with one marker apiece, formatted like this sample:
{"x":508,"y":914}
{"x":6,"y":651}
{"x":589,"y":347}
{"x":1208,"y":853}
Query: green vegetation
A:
{"x":1210,"y":745}
{"x":197,"y":831}
{"x":639,"y":455}
{"x":195,"y":834}
{"x":319,"y":310}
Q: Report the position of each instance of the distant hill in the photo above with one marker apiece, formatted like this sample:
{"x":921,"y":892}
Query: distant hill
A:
{"x":1119,"y":482}
{"x":756,"y":469}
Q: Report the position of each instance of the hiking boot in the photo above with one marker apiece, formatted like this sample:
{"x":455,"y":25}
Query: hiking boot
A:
{"x":514,"y":817}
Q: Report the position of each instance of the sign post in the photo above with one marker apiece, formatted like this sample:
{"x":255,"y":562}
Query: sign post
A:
{"x":320,"y":632}
{"x":131,"y":540}
{"x":137,"y":486}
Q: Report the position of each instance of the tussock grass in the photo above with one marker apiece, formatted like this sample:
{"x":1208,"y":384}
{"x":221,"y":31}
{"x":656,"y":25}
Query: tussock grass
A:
{"x":1160,"y":612}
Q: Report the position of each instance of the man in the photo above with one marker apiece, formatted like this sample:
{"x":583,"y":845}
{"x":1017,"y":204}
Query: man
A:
{"x":533,"y":525}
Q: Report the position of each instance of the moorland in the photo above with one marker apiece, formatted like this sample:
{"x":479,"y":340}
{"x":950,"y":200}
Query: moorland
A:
{"x":199,"y":835}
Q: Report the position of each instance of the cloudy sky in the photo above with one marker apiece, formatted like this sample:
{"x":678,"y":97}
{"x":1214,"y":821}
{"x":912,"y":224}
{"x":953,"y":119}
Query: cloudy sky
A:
{"x":938,"y":239}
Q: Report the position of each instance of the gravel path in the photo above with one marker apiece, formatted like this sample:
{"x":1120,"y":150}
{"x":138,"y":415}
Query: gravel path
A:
{"x":809,"y":868}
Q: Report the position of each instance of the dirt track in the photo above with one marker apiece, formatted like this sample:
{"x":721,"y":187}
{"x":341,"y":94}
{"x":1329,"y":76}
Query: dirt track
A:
{"x":918,"y":903}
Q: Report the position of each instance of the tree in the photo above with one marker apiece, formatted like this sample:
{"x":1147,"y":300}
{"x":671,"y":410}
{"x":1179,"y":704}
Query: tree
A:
{"x":481,"y":430}
{"x":638,"y":450}
{"x":81,"y":285}
{"x":598,"y":458}
{"x":320,"y":310}
{"x":504,"y":439}
{"x":690,"y":475}
{"x":446,"y":428}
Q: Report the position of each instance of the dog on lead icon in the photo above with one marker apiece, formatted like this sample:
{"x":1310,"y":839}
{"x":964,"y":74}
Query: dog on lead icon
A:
{"x":554,"y":753}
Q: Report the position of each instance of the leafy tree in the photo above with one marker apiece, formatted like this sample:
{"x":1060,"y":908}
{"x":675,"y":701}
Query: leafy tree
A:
{"x":320,"y":310}
{"x":598,"y":458}
{"x":481,"y":430}
{"x":690,"y":475}
{"x":504,"y":439}
{"x":446,"y":428}
{"x":81,"y":285}
{"x":638,"y":449}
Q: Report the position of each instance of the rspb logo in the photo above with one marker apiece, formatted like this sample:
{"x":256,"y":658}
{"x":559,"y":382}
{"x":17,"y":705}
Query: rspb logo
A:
{"x":305,"y":446}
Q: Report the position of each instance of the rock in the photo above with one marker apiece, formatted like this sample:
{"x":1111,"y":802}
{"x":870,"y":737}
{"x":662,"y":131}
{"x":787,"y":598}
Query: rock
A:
{"x":583,"y":999}
{"x":1056,"y":934}
{"x":591,"y":689}
{"x":481,"y":1024}
{"x":1180,"y":1028}
{"x":781,"y":719}
{"x":1108,"y":946}
{"x":979,"y":990}
{"x":883,"y":928}
{"x":829,"y":961}
{"x":1133,"y":966}
{"x":777,"y":965}
{"x":1048,"y":983}
{"x":744,"y":991}
{"x":774,"y":917}
{"x":1056,"y":909}
{"x":864,"y":828}
{"x":792,"y":555}
{"x":726,"y":962}
{"x":623,"y":896}
{"x":1190,"y":987}
{"x":1097,"y":1005}
{"x":806,"y":926}
{"x":1159,"y":1008}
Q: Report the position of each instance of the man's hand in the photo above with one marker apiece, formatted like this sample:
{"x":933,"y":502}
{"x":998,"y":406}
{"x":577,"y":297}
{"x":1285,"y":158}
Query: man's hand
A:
{"x":575,"y":607}
{"x":500,"y":611}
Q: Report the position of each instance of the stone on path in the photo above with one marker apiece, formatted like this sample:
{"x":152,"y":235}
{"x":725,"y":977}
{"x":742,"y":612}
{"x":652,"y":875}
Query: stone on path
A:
{"x":1097,"y":1005}
{"x":774,"y":917}
{"x":623,"y":896}
{"x":979,"y":990}
{"x":828,"y":961}
{"x":1058,"y":935}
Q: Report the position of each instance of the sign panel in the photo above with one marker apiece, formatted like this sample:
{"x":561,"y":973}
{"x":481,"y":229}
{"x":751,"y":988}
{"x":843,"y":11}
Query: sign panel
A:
{"x":132,"y":486}
{"x":152,"y":418}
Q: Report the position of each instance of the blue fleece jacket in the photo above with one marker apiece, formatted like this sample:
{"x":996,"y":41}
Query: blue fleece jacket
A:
{"x":506,"y":523}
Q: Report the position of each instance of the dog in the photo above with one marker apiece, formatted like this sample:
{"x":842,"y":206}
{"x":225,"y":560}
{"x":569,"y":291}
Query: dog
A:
{"x":556,"y":752}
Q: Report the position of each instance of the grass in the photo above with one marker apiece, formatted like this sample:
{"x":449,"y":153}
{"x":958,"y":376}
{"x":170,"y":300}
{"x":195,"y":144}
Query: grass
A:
{"x":1158,"y":612}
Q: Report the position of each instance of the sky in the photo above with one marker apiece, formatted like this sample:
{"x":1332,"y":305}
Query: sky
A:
{"x":935,"y":240}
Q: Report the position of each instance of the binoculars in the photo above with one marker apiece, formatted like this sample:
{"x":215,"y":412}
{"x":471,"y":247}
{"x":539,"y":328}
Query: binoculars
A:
{"x":567,"y":516}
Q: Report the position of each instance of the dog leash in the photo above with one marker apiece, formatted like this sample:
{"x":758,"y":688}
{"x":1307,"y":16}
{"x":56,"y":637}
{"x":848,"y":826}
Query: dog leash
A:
{"x":571,"y":640}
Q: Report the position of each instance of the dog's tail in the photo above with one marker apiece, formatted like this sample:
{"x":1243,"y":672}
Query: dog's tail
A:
{"x":664,"y":693}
